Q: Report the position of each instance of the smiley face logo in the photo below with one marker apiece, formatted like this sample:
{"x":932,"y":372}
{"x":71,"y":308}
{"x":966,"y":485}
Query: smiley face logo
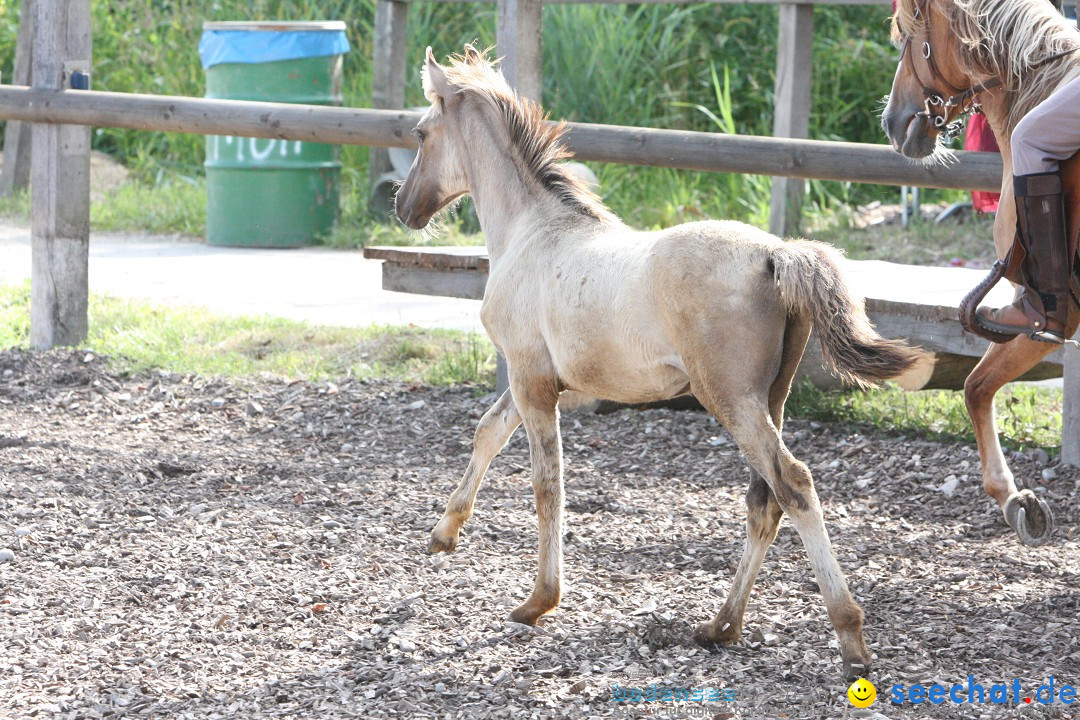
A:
{"x":862,"y":693}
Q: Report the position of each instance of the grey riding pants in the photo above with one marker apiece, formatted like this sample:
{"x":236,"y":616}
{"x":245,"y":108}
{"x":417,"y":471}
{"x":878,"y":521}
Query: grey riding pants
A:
{"x":1049,"y":133}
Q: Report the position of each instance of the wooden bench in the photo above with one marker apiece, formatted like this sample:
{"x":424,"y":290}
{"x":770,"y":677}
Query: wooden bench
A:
{"x":903,"y":301}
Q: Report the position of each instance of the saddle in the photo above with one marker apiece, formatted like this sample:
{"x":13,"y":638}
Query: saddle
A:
{"x":1009,"y":267}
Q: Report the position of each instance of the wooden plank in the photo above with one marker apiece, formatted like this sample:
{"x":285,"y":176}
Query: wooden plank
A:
{"x":1070,"y":431}
{"x":517,"y":36}
{"x":434,"y":258}
{"x":387,"y":85}
{"x":467,"y":284}
{"x":791,"y":112}
{"x":826,"y":160}
{"x":15,"y":175}
{"x":60,"y":180}
{"x":949,"y":371}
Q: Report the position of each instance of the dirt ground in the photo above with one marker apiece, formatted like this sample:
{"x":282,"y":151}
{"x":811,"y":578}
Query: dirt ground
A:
{"x":186,"y":548}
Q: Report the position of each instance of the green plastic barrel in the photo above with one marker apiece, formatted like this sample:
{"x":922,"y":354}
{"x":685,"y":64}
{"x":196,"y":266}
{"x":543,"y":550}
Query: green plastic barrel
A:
{"x":265,"y":192}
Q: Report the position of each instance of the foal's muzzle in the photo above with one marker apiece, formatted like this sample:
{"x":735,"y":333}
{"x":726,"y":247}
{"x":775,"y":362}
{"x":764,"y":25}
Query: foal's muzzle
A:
{"x":413,"y":214}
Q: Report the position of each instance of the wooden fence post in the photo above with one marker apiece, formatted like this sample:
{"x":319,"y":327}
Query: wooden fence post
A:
{"x":60,"y":183}
{"x":517,"y":40}
{"x":794,"y":57}
{"x":15,"y":175}
{"x":388,"y":83}
{"x":1070,"y":426}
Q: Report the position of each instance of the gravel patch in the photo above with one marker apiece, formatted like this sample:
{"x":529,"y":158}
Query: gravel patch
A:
{"x":182,"y":547}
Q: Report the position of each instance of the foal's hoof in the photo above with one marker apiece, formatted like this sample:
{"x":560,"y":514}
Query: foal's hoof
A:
{"x":524,"y":615}
{"x":1030,"y":517}
{"x":708,"y":635}
{"x":438,"y":544}
{"x":542,"y":601}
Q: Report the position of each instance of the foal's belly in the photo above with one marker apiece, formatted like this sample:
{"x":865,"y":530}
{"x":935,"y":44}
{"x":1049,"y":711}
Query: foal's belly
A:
{"x":622,"y":375}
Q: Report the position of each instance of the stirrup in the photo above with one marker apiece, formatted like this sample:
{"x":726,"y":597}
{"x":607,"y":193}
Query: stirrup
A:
{"x":1043,"y":336}
{"x":969,"y":320}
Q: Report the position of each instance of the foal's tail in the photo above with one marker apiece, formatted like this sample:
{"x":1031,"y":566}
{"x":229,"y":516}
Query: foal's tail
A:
{"x":810,"y":280}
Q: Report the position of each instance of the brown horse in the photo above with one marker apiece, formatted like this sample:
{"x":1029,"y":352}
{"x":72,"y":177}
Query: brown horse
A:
{"x":1003,"y":57}
{"x":576,"y":300}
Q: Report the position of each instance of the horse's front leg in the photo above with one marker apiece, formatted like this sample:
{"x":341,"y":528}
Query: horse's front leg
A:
{"x":491,"y":436}
{"x":1029,"y":516}
{"x":537,"y":398}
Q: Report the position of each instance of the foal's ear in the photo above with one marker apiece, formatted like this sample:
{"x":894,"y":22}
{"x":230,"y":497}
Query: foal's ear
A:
{"x":434,"y":76}
{"x":472,"y":55}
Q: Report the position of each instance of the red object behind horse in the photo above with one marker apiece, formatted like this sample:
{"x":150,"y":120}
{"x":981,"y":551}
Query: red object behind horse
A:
{"x":979,"y":136}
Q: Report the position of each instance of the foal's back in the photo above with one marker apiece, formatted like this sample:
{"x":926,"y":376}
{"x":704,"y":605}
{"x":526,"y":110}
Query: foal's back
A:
{"x":617,"y":310}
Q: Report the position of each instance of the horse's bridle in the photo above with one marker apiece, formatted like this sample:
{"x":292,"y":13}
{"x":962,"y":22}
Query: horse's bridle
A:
{"x":966,"y":100}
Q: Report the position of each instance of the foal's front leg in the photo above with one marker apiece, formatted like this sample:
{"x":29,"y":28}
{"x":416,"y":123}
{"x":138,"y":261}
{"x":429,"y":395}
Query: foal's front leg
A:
{"x":537,"y":398}
{"x":491,"y":436}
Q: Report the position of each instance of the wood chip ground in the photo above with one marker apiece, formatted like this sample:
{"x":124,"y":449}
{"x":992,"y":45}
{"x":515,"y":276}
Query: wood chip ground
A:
{"x":191,"y":548}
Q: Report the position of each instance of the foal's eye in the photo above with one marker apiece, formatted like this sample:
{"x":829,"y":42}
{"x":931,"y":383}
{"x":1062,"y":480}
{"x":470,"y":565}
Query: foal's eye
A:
{"x":419,"y":135}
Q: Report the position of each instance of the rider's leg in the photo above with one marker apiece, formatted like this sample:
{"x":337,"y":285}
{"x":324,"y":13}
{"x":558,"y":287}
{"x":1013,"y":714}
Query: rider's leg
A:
{"x":1043,"y":138}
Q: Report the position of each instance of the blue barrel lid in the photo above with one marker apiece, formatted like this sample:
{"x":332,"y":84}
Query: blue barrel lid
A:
{"x":263,"y":42}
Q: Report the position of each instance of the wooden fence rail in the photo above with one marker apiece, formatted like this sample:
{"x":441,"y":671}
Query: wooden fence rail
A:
{"x":681,"y":149}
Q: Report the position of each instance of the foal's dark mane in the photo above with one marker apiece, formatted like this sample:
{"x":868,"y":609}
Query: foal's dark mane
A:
{"x":539,"y":142}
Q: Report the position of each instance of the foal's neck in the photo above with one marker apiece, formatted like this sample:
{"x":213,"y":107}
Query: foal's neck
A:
{"x":510,"y":202}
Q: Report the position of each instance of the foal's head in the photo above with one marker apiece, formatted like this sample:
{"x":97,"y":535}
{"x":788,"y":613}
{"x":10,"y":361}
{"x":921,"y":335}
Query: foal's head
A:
{"x":476,"y":118}
{"x":437,"y":176}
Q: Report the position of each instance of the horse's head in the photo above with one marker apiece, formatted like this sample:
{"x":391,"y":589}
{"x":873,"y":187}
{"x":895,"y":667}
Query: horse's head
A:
{"x":437,"y":176}
{"x":926,"y":92}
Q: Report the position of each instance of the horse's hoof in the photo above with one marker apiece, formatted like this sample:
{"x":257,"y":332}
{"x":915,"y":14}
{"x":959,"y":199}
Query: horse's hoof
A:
{"x":1030,"y":517}
{"x":856,"y":668}
{"x":708,"y":636}
{"x":441,"y":544}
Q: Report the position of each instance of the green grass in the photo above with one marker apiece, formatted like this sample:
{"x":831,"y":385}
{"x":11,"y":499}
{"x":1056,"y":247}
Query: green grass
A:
{"x":138,"y":336}
{"x":1028,"y":416}
{"x":177,"y":206}
{"x":921,"y":243}
{"x":16,"y":207}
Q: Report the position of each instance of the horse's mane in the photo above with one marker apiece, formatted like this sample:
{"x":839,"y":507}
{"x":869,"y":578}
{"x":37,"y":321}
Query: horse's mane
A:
{"x":1005,"y":39}
{"x":538,"y":141}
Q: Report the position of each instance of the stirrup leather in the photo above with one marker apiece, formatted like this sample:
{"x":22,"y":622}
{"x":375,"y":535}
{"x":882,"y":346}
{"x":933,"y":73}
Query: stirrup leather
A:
{"x":969,"y":320}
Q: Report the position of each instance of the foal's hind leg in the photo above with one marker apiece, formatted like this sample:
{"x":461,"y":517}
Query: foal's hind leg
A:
{"x":1026,"y":514}
{"x":494,"y":430}
{"x":763,"y":515}
{"x":763,"y":512}
{"x":793,"y":487}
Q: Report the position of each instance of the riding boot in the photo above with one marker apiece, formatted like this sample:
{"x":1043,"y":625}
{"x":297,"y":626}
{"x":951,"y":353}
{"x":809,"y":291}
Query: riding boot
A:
{"x":1041,"y":308}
